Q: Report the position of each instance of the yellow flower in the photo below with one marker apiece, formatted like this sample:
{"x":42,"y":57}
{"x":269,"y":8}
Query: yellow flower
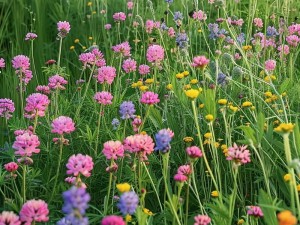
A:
{"x":128,"y":218}
{"x":94,"y":12}
{"x":247,"y":47}
{"x":185,"y":73}
{"x":188,"y":139}
{"x":287,"y":177}
{"x":76,"y":40}
{"x":90,"y":38}
{"x":269,"y":78}
{"x":192,"y":93}
{"x":187,"y":86}
{"x":143,"y":88}
{"x":268,"y":94}
{"x":286,"y":218}
{"x":149,"y":81}
{"x":252,"y":108}
{"x":209,"y":117}
{"x":247,"y":104}
{"x":217,"y":144}
{"x":89,"y":3}
{"x":194,"y":81}
{"x":139,"y":83}
{"x":284,"y":128}
{"x":143,"y":133}
{"x":179,"y":75}
{"x":215,"y":194}
{"x":201,"y":106}
{"x":222,"y":101}
{"x":169,"y":87}
{"x":240,"y":222}
{"x":123,"y":187}
{"x":208,"y":135}
{"x":134,"y":85}
{"x":199,"y":30}
{"x":283,"y":94}
{"x":148,"y":212}
{"x":83,"y":47}
{"x":72,"y":47}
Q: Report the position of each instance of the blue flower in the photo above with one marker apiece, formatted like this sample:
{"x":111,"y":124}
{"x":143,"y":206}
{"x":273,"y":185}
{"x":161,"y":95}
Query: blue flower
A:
{"x":222,"y":79}
{"x":115,"y":123}
{"x":163,"y":139}
{"x":163,"y":26}
{"x":128,"y":203}
{"x":215,"y":32}
{"x":241,"y":38}
{"x":178,"y":16}
{"x":182,"y":40}
{"x":271,"y":31}
{"x":169,"y":1}
{"x":127,"y":110}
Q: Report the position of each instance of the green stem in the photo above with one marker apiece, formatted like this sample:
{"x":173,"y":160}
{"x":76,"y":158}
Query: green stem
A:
{"x":59,"y":52}
{"x":24,"y":184}
{"x":35,"y":121}
{"x":98,"y":130}
{"x":187,"y":202}
{"x":21,"y":94}
{"x":233,"y":196}
{"x":108,"y":190}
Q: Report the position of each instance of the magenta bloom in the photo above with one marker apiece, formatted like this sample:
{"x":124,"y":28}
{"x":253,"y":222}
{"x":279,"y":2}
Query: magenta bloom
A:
{"x":9,"y":218}
{"x":200,"y":62}
{"x":113,"y":220}
{"x":293,"y":40}
{"x":194,"y":152}
{"x":144,"y":69}
{"x":199,"y":15}
{"x":254,"y":211}
{"x":7,"y":107}
{"x":34,"y":211}
{"x":149,"y":98}
{"x":43,"y":89}
{"x":87,"y":58}
{"x":185,"y":170}
{"x":202,"y":220}
{"x":139,"y":143}
{"x":30,"y":36}
{"x":36,"y":105}
{"x":2,"y":63}
{"x":129,"y":65}
{"x":155,"y":54}
{"x":107,"y":26}
{"x":106,"y":74}
{"x":62,"y":125}
{"x":239,"y":154}
{"x":258,"y":22}
{"x":270,"y":65}
{"x":113,"y":149}
{"x":26,"y":144}
{"x":103,"y":98}
{"x":136,"y":123}
{"x":119,"y":16}
{"x":150,"y":25}
{"x":63,"y":28}
{"x":57,"y":82}
{"x":123,"y":49}
{"x":180,"y":177}
{"x":80,"y":164}
{"x":21,"y":62}
{"x":171,"y":32}
{"x":11,"y":167}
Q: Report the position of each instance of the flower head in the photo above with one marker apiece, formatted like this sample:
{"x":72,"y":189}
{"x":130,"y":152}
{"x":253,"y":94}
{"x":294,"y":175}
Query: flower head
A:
{"x":128,"y":203}
{"x":106,"y":74}
{"x":155,"y":54}
{"x":123,"y":187}
{"x":122,"y":48}
{"x":202,"y":220}
{"x":30,"y":36}
{"x":192,"y":93}
{"x":149,"y":98}
{"x":139,"y":143}
{"x":26,"y":144}
{"x":113,"y":220}
{"x":7,"y":107}
{"x":34,"y":211}
{"x":163,"y":139}
{"x":21,"y":62}
{"x":286,"y":218}
{"x":127,"y":110}
{"x":62,"y":125}
{"x":80,"y":164}
{"x":270,"y":65}
{"x":57,"y":82}
{"x":11,"y":167}
{"x":200,"y":62}
{"x":113,"y":149}
{"x":129,"y":65}
{"x":2,"y":63}
{"x":254,"y":211}
{"x":119,"y":16}
{"x":103,"y":98}
{"x":194,"y":152}
{"x":144,"y":69}
{"x":9,"y":218}
{"x":238,"y":154}
{"x":63,"y":28}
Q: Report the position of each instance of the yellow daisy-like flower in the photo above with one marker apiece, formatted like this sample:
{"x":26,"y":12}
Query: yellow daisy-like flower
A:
{"x":268,"y":94}
{"x":222,"y":101}
{"x":270,"y":78}
{"x":287,"y":177}
{"x":209,"y":117}
{"x":139,"y":83}
{"x":240,"y":222}
{"x":123,"y":187}
{"x":143,"y":133}
{"x":199,"y":30}
{"x":76,"y":41}
{"x":143,"y":88}
{"x":201,"y":106}
{"x":217,"y":144}
{"x":185,"y":73}
{"x":192,"y":93}
{"x":252,"y":108}
{"x":89,"y":3}
{"x":188,"y":139}
{"x":215,"y":194}
{"x":283,"y":94}
{"x":169,"y":87}
{"x":194,"y":81}
{"x":149,"y":81}
{"x":72,"y":47}
{"x":94,"y":12}
{"x":247,"y":104}
{"x":83,"y":47}
{"x":285,"y":128}
{"x":128,"y":218}
{"x":247,"y":47}
{"x":134,"y":85}
{"x":179,"y":76}
{"x":208,"y":135}
{"x":148,"y":212}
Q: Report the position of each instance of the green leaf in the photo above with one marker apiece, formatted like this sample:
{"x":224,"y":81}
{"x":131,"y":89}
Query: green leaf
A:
{"x":296,"y":135}
{"x":155,"y":117}
{"x":268,"y":207}
{"x":249,"y":134}
{"x":260,"y":126}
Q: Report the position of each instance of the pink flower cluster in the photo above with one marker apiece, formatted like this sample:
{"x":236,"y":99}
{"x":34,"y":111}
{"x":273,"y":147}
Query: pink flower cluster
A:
{"x":30,"y":36}
{"x":194,"y":152}
{"x":7,"y":107}
{"x":123,"y":49}
{"x":94,"y":57}
{"x":149,"y":98}
{"x":155,"y":54}
{"x":36,"y":105}
{"x":150,"y":25}
{"x":129,"y":65}
{"x":9,"y":218}
{"x":113,"y":149}
{"x":103,"y":98}
{"x":139,"y":143}
{"x":254,"y":211}
{"x":258,"y":22}
{"x":144,"y":69}
{"x":2,"y":63}
{"x":239,"y":154}
{"x":136,"y":123}
{"x":235,"y":22}
{"x":11,"y":167}
{"x":62,"y":125}
{"x":106,"y":74}
{"x":43,"y":89}
{"x":80,"y":164}
{"x":130,"y":5}
{"x":57,"y":82}
{"x":63,"y":28}
{"x":294,"y":28}
{"x":199,"y":15}
{"x":26,"y":144}
{"x":202,"y":220}
{"x":119,"y":16}
{"x":21,"y":62}
{"x":293,"y":40}
{"x":270,"y":65}
{"x":183,"y":172}
{"x":113,"y":220}
{"x":34,"y":211}
{"x":200,"y":62}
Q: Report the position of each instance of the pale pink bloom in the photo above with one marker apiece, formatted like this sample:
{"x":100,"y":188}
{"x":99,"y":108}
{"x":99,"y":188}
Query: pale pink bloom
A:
{"x":2,"y":63}
{"x":238,"y":154}
{"x":155,"y":54}
{"x":103,"y":98}
{"x":202,"y":220}
{"x":130,"y":5}
{"x":107,"y":26}
{"x":80,"y":164}
{"x":30,"y":36}
{"x":119,"y":16}
{"x":103,"y":11}
{"x":149,"y":26}
{"x":9,"y":218}
{"x":43,"y":89}
{"x":62,"y":125}
{"x":21,"y":62}
{"x":171,"y":32}
{"x":144,"y":69}
{"x":200,"y":62}
{"x":199,"y":15}
{"x":20,"y":132}
{"x":194,"y":152}
{"x":7,"y":107}
{"x":265,"y":43}
{"x":149,"y":98}
{"x":211,"y":1}
{"x":70,"y":180}
{"x":63,"y":28}
{"x":11,"y":167}
{"x":135,"y":24}
{"x":113,"y":149}
{"x":180,"y":178}
{"x":26,"y":76}
{"x":294,"y":28}
{"x":283,"y":50}
{"x":258,"y":22}
{"x":34,"y":211}
{"x":185,"y":170}
{"x":36,"y":105}
{"x":106,"y":74}
{"x":26,"y":144}
{"x":293,"y":40}
{"x":254,"y":211}
{"x":123,"y":49}
{"x":236,"y":22}
{"x":57,"y":82}
{"x":270,"y":65}
{"x":136,"y":123}
{"x":139,"y":143}
{"x":99,"y":57}
{"x":129,"y":65}
{"x":87,"y":58}
{"x":237,"y":56}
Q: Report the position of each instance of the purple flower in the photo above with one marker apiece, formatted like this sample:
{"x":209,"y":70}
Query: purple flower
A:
{"x":7,"y":107}
{"x":2,"y":63}
{"x":20,"y":62}
{"x":182,"y":40}
{"x":30,"y":36}
{"x":127,"y":110}
{"x":128,"y":203}
{"x":163,"y":139}
{"x":63,"y":28}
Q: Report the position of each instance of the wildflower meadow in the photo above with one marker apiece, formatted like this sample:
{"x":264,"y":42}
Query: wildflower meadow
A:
{"x":149,"y":112}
